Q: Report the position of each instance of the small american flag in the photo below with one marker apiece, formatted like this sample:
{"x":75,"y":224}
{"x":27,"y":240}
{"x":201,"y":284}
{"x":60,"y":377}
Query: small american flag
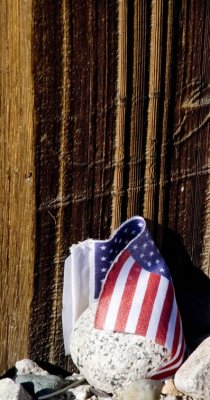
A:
{"x":131,"y":282}
{"x":137,"y":295}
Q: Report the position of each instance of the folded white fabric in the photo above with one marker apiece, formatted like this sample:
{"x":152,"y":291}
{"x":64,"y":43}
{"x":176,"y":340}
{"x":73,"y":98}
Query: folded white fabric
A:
{"x":77,"y":294}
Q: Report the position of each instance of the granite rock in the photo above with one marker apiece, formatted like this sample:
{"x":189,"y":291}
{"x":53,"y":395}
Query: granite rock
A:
{"x":9,"y":390}
{"x":26,"y":366}
{"x":111,"y":360}
{"x":193,"y":377}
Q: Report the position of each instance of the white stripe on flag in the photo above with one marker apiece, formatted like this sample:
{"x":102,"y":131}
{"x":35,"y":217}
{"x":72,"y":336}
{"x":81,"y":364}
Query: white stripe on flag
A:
{"x":168,"y":366}
{"x":138,"y":299}
{"x":157,"y":308}
{"x":171,"y":326}
{"x":117,"y":293}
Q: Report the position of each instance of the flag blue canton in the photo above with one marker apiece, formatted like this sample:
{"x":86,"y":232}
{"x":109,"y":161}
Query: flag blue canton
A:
{"x":141,"y":247}
{"x":147,"y":255}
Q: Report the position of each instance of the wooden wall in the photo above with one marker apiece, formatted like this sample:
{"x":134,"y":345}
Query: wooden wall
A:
{"x":104,"y":115}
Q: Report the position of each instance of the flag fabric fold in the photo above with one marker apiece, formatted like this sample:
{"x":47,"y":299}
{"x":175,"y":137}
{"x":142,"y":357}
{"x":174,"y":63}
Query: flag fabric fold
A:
{"x":131,"y":282}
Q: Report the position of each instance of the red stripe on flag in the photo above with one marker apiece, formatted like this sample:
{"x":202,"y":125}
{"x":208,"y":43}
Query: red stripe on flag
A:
{"x":165,"y":316}
{"x":176,"y":335}
{"x":147,"y":306}
{"x":179,"y":356}
{"x":127,"y":298}
{"x":171,"y":369}
{"x":107,"y":290}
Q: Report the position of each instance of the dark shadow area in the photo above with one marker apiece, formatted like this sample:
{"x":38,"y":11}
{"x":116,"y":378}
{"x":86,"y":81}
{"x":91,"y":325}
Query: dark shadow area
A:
{"x":10,"y":373}
{"x":29,"y":387}
{"x":53,"y":369}
{"x":192,"y":289}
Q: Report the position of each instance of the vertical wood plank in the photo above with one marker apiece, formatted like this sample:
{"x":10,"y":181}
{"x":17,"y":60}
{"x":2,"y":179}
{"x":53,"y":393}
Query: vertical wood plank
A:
{"x":155,"y":97}
{"x":138,"y":109}
{"x":166,"y":124}
{"x":92,"y":121}
{"x":56,"y":349}
{"x":48,"y":105}
{"x":117,"y":190}
{"x":17,"y":180}
{"x":188,"y":210}
{"x":75,"y":120}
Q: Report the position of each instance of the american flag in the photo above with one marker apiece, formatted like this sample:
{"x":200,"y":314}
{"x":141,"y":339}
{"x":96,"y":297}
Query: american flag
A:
{"x":135,"y":291}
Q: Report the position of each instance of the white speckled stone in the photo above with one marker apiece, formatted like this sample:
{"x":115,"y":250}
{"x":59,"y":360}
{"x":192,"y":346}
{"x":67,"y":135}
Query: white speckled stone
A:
{"x":81,"y":392}
{"x":26,"y":366}
{"x":146,"y":389}
{"x":193,"y":377}
{"x":110,"y":360}
{"x":9,"y":390}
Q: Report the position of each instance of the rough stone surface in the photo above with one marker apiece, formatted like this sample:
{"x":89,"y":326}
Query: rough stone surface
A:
{"x":193,"y":377}
{"x":112,"y":360}
{"x":74,"y":377}
{"x":9,"y":390}
{"x":79,"y":393}
{"x":170,"y":389}
{"x":146,"y":389}
{"x":26,"y":366}
{"x":40,"y":384}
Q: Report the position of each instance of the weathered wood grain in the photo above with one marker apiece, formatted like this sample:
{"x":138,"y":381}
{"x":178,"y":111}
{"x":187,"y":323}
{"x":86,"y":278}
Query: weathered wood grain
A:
{"x":104,"y":114}
{"x":17,"y":180}
{"x":138,"y":87}
{"x":48,"y":107}
{"x":189,"y":209}
{"x":155,"y":92}
{"x":75,"y":74}
{"x":119,"y":157}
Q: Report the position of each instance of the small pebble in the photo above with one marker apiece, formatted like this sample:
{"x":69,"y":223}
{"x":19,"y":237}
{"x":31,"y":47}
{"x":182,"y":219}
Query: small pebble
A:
{"x":26,"y":366}
{"x":143,"y":389}
{"x":81,"y":392}
{"x":170,"y":389}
